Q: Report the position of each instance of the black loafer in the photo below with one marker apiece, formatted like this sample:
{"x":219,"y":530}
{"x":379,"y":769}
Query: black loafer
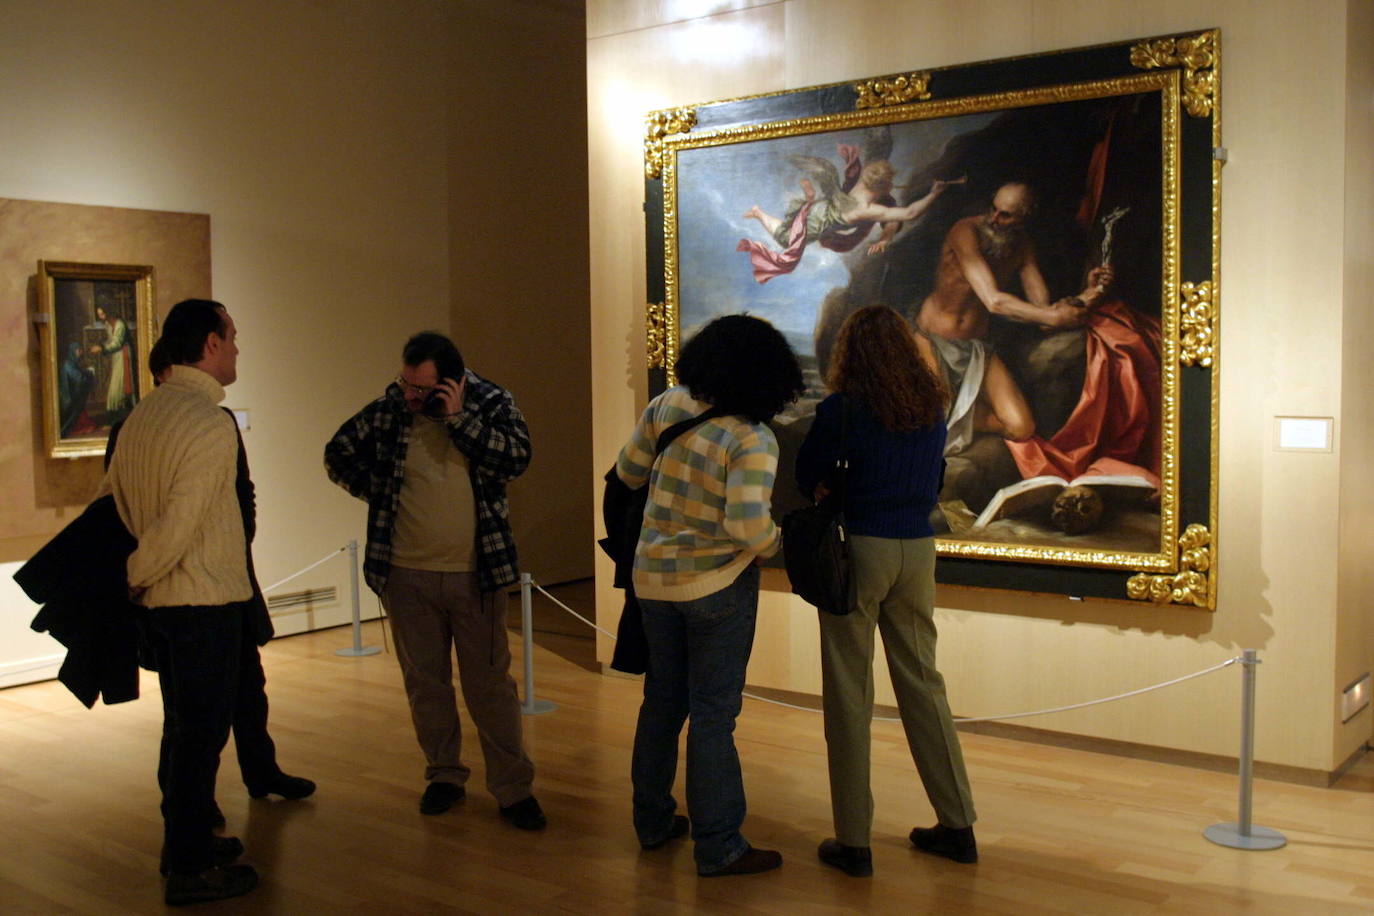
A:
{"x":957,"y":844}
{"x":679,"y":829}
{"x":856,"y":861}
{"x":288,"y":787}
{"x":526,"y":814}
{"x":218,"y":883}
{"x":751,"y":863}
{"x":223,"y":850}
{"x":440,"y":796}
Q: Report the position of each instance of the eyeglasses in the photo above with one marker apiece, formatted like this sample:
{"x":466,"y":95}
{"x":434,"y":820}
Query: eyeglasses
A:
{"x":417,"y":390}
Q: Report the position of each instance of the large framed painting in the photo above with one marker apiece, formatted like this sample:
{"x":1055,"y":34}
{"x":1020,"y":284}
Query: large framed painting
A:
{"x":95,"y":331}
{"x":1048,"y":225}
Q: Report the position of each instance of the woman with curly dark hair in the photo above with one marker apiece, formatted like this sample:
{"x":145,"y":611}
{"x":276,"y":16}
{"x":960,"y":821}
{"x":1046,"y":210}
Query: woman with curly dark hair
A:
{"x":892,"y":408}
{"x":707,"y":520}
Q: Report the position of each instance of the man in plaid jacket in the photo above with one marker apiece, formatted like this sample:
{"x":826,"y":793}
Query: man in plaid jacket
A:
{"x":431,"y":457}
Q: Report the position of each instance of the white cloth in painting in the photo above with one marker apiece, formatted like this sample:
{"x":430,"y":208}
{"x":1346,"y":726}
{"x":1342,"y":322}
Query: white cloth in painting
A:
{"x":963,"y":363}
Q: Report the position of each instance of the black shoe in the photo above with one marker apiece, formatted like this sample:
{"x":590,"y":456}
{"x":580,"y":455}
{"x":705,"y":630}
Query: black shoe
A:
{"x":216,"y":883}
{"x":288,"y":787}
{"x":679,"y":829}
{"x":751,"y":863}
{"x":957,"y":844}
{"x":223,"y":850}
{"x":855,"y":861}
{"x":440,"y":796}
{"x":526,"y":814}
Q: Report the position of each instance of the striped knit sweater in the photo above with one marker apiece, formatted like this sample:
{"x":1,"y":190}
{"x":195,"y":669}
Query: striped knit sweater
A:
{"x":172,"y":476}
{"x":707,"y":515}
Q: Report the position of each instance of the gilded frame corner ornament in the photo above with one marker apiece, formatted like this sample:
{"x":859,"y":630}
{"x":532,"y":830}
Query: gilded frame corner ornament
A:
{"x":659,"y":125}
{"x":693,"y":172}
{"x":1191,"y":585}
{"x":897,"y":90}
{"x":1197,"y":55}
{"x":1197,"y":331}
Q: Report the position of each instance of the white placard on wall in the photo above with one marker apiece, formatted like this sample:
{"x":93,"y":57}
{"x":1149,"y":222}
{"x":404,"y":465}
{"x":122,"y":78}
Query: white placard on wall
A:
{"x":1303,"y":434}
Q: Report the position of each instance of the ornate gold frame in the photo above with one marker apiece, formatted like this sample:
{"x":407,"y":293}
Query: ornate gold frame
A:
{"x":1184,"y":71}
{"x":49,"y":272}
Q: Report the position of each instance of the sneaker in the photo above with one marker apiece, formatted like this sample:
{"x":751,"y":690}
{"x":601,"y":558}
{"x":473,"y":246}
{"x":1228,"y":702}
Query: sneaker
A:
{"x":752,"y":862}
{"x":223,"y":850}
{"x":678,"y":829}
{"x":291,"y":788}
{"x":218,"y":883}
{"x":855,"y":861}
{"x":957,"y":844}
{"x":526,"y":814}
{"x":440,"y":796}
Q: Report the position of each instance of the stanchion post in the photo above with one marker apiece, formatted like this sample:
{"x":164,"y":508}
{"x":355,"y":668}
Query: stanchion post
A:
{"x":357,"y":648}
{"x":531,"y":706}
{"x":1243,"y":834}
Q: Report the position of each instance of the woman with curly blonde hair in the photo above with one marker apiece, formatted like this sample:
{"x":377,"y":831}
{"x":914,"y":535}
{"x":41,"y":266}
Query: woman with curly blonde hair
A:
{"x":891,"y":408}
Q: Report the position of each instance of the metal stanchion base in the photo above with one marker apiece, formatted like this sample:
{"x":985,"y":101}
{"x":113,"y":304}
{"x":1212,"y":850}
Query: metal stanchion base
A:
{"x":351,"y":652}
{"x":538,"y":707}
{"x":1259,"y":838}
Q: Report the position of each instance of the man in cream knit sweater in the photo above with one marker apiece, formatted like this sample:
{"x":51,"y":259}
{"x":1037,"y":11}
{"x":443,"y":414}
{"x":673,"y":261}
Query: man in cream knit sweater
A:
{"x":172,"y":477}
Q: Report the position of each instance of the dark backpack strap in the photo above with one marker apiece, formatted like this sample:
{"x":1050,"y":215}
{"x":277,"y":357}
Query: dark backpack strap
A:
{"x":669,"y":435}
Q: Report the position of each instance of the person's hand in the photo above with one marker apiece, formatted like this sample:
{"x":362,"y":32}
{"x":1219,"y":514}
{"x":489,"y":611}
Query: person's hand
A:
{"x":938,"y":186}
{"x":451,"y":393}
{"x":1069,"y":312}
{"x":1099,"y":278}
{"x":878,"y":246}
{"x":136,"y":591}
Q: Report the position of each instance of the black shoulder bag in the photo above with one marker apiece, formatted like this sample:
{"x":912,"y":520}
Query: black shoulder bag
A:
{"x":622,"y":511}
{"x":815,"y":543}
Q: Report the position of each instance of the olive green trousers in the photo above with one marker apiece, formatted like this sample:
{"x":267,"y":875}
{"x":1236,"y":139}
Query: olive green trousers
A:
{"x":895,"y":592}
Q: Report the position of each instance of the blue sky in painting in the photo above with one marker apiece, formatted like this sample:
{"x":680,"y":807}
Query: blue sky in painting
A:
{"x":716,"y":185}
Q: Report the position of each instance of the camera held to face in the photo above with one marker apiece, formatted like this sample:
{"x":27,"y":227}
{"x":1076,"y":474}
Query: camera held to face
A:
{"x":450,"y":370}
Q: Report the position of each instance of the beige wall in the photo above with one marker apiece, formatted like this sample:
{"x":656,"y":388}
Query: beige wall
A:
{"x":330,"y":144}
{"x":518,"y":248}
{"x":1284,"y":255}
{"x":1354,"y":608}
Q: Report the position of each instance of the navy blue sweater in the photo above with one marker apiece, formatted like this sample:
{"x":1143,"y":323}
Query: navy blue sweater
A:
{"x":893,"y":478}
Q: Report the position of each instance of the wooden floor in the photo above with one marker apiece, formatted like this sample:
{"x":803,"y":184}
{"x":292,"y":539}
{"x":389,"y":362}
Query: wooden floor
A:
{"x":1060,"y":831}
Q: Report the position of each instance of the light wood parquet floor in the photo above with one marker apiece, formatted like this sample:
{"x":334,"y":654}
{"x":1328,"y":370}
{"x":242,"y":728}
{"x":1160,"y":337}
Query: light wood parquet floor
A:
{"x":1061,"y":831}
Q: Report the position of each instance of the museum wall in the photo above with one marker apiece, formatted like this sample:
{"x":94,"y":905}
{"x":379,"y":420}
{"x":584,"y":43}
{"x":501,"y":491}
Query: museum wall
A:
{"x":518,"y":252}
{"x":1355,"y":620}
{"x":1290,"y":257}
{"x":325,"y":143}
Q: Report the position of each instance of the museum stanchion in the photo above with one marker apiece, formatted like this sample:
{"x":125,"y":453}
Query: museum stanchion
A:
{"x":357,"y":648}
{"x":1243,"y":834}
{"x":531,"y":706}
{"x":351,"y":548}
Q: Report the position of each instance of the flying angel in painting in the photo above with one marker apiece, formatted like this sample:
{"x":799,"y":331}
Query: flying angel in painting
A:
{"x":838,"y":212}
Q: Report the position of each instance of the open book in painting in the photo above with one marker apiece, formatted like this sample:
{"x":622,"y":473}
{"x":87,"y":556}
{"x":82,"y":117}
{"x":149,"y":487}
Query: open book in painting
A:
{"x":1036,"y":492}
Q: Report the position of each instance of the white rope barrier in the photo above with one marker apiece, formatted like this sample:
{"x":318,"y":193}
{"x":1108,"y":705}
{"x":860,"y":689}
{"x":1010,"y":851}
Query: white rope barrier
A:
{"x":1014,"y":715}
{"x":351,"y":548}
{"x":296,"y":575}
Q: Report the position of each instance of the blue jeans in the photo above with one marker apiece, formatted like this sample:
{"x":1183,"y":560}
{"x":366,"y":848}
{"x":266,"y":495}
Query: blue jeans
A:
{"x":698,"y":651}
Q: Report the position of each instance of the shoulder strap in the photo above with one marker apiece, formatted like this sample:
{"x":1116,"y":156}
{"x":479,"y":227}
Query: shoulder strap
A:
{"x":670,"y":434}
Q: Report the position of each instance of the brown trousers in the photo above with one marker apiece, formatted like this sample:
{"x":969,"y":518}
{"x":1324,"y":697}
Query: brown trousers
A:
{"x":434,"y":614}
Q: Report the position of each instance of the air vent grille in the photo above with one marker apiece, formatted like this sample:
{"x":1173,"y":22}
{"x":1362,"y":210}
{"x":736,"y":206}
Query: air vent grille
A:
{"x":302,"y":599}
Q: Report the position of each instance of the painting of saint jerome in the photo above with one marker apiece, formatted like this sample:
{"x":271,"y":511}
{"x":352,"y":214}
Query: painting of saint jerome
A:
{"x":1025,"y":246}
